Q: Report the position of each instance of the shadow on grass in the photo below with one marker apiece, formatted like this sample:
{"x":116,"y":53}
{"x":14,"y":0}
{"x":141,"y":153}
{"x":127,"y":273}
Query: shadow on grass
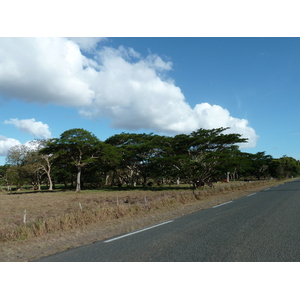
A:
{"x":33,"y":192}
{"x":183,"y":187}
{"x":141,"y":188}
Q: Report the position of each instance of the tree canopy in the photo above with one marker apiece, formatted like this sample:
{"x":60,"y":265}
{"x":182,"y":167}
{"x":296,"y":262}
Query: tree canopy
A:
{"x":79,"y":158}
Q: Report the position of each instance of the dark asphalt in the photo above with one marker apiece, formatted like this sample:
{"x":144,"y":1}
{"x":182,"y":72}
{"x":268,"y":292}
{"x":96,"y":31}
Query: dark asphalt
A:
{"x":260,"y":227}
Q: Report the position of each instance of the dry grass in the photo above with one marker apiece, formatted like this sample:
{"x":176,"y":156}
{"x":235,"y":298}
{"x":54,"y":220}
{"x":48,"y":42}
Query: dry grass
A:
{"x":54,"y":212}
{"x":162,"y":206}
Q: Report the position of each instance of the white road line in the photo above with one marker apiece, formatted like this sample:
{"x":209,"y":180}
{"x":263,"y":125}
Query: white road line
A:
{"x":267,"y":189}
{"x":222,"y":204}
{"x":138,"y":231}
{"x":251,"y":195}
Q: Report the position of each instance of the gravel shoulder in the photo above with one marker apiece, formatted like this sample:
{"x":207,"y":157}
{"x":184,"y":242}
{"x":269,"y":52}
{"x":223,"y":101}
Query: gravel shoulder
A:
{"x":29,"y":250}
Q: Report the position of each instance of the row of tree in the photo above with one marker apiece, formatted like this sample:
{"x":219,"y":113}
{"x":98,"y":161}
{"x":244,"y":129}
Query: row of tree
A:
{"x":79,"y":158}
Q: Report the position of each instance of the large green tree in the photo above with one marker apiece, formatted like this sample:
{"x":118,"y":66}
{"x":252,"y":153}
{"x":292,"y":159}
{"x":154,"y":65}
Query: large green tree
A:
{"x":260,"y":163}
{"x":137,"y":151}
{"x":212,"y":153}
{"x":21,"y":169}
{"x":77,"y":147}
{"x":4,"y":177}
{"x":284,"y":167}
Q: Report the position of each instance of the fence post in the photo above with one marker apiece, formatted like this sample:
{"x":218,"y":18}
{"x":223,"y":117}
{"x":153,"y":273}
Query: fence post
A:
{"x":227,"y":176}
{"x":24,"y":217}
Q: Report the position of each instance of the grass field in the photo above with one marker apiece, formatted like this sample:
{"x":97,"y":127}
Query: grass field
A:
{"x":28,"y":214}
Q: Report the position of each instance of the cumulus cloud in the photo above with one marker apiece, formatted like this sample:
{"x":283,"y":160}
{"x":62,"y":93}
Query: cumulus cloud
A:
{"x":214,"y":116}
{"x":87,"y":43}
{"x":135,"y":92}
{"x":44,"y":70}
{"x":6,"y":144}
{"x":31,"y":126}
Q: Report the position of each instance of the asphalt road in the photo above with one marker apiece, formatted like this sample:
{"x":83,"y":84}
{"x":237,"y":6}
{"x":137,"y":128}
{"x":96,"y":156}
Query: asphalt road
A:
{"x":264,"y":226}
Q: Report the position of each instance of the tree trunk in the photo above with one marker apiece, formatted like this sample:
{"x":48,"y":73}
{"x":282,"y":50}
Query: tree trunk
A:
{"x":50,"y":181}
{"x":106,"y":179}
{"x":145,"y":180}
{"x":134,"y":179}
{"x":78,"y":179}
{"x":48,"y":172}
{"x":228,"y":176}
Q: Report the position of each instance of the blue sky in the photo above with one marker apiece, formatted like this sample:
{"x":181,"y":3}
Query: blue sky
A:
{"x":163,"y":85}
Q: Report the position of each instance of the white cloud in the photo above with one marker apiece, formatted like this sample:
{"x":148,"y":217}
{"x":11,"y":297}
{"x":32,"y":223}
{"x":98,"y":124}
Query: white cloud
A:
{"x":87,"y":43}
{"x":133,"y":91}
{"x":37,"y":129}
{"x":6,"y":144}
{"x":44,"y":70}
{"x":214,"y":116}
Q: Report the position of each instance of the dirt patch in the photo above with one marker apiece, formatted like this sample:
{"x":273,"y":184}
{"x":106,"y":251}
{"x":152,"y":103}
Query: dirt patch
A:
{"x":37,"y":247}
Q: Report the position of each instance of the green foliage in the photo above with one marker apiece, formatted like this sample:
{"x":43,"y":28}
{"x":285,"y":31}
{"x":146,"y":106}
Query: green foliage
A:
{"x":285,"y":167}
{"x":24,"y":166}
{"x":257,"y":165}
{"x":78,"y":158}
{"x":76,"y":147}
{"x":138,"y":152}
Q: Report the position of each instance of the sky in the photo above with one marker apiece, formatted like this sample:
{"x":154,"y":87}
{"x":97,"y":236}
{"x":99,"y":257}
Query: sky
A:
{"x":165,"y":68}
{"x":165,"y":85}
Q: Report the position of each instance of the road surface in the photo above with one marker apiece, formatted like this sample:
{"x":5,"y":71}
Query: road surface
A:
{"x":264,"y":226}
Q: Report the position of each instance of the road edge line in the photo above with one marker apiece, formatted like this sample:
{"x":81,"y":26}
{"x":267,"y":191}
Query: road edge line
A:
{"x":138,"y":231}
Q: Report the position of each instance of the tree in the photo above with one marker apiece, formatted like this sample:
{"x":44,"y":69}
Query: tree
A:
{"x":42,"y":161}
{"x":260,"y":164}
{"x":208,"y":153}
{"x":201,"y":155}
{"x":77,"y":147}
{"x":108,"y":161}
{"x":284,"y":167}
{"x":138,"y":152}
{"x":174,"y":160}
{"x":4,"y":178}
{"x":20,"y":170}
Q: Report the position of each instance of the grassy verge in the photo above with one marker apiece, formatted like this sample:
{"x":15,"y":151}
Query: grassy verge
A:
{"x":49,"y":213}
